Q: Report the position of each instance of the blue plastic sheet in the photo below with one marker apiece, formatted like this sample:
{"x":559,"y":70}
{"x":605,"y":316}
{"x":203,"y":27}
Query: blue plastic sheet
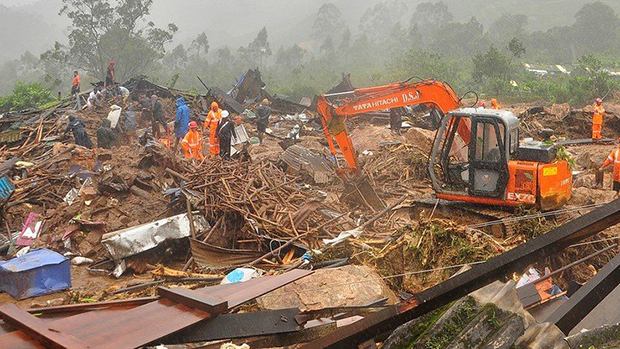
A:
{"x":36,"y":273}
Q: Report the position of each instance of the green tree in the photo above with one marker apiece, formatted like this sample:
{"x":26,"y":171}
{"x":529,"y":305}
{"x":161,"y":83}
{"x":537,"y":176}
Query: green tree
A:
{"x":201,"y":44}
{"x":508,"y":26}
{"x":377,"y":22}
{"x":258,"y":50}
{"x":328,"y":22}
{"x":596,"y":29}
{"x":427,"y":19}
{"x":492,"y":64}
{"x":101,"y":31}
{"x":25,"y":96}
{"x":291,"y":57}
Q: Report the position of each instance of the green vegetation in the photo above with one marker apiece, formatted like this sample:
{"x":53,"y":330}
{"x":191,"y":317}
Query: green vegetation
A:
{"x":395,"y":40}
{"x":25,"y":96}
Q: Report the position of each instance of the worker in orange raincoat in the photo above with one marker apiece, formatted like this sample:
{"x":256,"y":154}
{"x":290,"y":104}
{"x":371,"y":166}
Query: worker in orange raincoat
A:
{"x":597,"y":120}
{"x":213,"y":119}
{"x":495,"y":105}
{"x":192,"y":142}
{"x":614,"y":157}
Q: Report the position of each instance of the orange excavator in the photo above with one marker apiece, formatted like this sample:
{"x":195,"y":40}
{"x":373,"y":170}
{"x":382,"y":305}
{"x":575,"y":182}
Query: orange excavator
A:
{"x":476,"y":156}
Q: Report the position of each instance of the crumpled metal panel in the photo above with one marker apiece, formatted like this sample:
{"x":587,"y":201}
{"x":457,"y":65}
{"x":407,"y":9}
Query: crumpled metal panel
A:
{"x":131,"y":241}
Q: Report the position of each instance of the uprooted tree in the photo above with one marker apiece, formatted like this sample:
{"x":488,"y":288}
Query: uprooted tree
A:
{"x":103,"y":30}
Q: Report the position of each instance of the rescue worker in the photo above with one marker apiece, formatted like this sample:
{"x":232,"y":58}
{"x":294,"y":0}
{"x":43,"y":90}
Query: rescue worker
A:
{"x":109,"y":77}
{"x":105,"y":136}
{"x":597,"y":120}
{"x":614,"y":157}
{"x":495,"y":105}
{"x":262,"y":119}
{"x":75,"y":90}
{"x":145,"y":108}
{"x":396,"y":121}
{"x":158,"y":116}
{"x":93,"y":98}
{"x":211,"y":123}
{"x":181,"y":122}
{"x":192,"y":143}
{"x":129,"y":124}
{"x":78,"y":128}
{"x":226,"y":132}
{"x":123,"y":93}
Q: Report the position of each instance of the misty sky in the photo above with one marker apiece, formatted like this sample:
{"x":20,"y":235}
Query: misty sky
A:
{"x":236,"y":22}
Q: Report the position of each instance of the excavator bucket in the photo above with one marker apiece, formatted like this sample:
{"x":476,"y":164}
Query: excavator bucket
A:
{"x":361,"y":192}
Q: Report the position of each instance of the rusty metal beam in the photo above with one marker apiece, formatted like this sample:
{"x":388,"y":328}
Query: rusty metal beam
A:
{"x":582,"y":302}
{"x":478,"y":276}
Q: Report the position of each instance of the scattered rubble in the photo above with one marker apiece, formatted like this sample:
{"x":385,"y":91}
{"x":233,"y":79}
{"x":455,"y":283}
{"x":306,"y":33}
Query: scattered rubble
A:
{"x":265,"y":237}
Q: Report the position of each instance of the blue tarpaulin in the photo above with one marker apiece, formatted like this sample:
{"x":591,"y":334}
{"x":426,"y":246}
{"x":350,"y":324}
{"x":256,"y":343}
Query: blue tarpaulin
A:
{"x":34,"y":274}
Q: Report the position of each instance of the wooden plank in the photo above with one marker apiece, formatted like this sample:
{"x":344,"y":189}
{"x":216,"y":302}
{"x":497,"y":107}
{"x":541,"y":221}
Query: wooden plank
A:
{"x":132,"y":328}
{"x":81,"y":308}
{"x":194,"y":299}
{"x":147,"y":323}
{"x":37,"y":329}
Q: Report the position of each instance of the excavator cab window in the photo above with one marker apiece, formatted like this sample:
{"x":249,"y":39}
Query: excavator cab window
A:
{"x":455,"y":155}
{"x":514,"y":141}
{"x":488,"y":170}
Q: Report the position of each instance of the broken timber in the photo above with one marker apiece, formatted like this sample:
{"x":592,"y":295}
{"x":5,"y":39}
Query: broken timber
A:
{"x":478,"y":276}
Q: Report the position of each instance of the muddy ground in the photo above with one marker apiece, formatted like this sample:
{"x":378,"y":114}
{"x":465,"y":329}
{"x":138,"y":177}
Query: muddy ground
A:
{"x":394,"y":170}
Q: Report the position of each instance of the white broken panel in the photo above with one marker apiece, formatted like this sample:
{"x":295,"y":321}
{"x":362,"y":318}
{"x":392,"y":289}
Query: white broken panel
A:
{"x":131,"y":241}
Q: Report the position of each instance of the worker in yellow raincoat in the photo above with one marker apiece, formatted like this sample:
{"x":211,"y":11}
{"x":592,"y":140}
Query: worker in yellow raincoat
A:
{"x":213,"y":119}
{"x":597,"y":120}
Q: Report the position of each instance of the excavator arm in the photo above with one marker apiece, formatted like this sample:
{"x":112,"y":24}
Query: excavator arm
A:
{"x":432,"y":93}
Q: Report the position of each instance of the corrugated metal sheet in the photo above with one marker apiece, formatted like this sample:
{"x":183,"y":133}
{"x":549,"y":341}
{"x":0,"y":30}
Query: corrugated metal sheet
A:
{"x":215,"y":257}
{"x":302,"y":159}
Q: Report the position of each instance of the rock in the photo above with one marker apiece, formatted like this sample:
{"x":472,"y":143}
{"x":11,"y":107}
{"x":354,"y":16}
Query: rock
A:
{"x":560,"y":110}
{"x":351,"y":285}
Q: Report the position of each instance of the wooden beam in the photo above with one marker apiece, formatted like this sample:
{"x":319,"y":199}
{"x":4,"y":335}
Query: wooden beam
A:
{"x":193,"y":299}
{"x":37,"y":329}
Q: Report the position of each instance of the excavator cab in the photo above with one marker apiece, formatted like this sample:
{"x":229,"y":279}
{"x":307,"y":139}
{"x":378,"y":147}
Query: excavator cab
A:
{"x":476,"y":157}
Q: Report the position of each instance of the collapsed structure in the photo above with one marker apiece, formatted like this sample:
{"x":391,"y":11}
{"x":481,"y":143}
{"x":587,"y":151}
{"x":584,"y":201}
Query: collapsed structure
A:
{"x":159,"y":244}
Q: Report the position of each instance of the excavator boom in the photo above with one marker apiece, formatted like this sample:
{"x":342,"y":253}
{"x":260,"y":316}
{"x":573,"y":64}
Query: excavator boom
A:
{"x":435,"y":94}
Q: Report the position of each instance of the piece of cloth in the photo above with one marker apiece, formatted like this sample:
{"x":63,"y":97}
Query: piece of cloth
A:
{"x":614,"y":157}
{"x":211,"y":123}
{"x":262,"y":118}
{"x":181,"y":122}
{"x":78,"y":128}
{"x":226,"y":132}
{"x":192,"y":145}
{"x":105,"y":135}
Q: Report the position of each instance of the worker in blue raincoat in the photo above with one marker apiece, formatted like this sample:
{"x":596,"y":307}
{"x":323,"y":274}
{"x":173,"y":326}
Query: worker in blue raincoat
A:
{"x":181,"y":122}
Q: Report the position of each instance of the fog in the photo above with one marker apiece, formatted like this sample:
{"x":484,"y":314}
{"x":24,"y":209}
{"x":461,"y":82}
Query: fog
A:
{"x":34,"y":25}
